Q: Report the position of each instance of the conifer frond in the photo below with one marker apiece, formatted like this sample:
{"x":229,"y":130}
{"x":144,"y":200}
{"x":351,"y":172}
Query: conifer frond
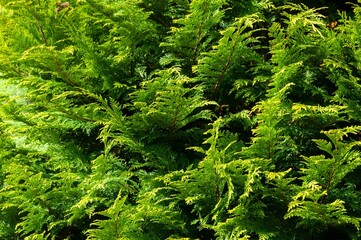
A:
{"x":165,"y":119}
{"x":195,"y":32}
{"x":233,"y":51}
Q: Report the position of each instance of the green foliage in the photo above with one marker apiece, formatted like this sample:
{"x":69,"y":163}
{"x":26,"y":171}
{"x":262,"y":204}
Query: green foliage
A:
{"x":117,"y":226}
{"x":317,"y":202}
{"x":195,"y":33}
{"x":217,"y":67}
{"x":144,"y":119}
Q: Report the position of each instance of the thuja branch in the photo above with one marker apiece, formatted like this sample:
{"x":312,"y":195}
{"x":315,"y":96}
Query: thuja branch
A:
{"x":217,"y":183}
{"x":332,"y":173}
{"x":71,"y":115}
{"x":41,"y":31}
{"x":226,"y":66}
{"x":198,"y":37}
{"x":64,"y":76}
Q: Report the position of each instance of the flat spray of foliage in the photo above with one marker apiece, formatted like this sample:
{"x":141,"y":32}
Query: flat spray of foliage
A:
{"x":164,"y":119}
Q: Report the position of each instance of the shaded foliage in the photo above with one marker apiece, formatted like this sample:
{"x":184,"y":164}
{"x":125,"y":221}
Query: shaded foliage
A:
{"x":142,"y":119}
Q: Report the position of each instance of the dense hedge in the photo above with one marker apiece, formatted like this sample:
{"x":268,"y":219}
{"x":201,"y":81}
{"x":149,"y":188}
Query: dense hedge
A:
{"x":164,"y":119}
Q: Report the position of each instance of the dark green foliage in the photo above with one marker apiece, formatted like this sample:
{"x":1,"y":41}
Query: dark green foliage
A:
{"x":144,"y":119}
